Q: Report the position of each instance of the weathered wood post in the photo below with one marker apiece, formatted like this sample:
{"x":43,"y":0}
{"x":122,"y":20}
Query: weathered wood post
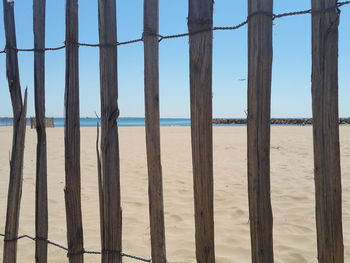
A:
{"x":326,"y":132}
{"x":200,"y":18}
{"x":72,"y":138}
{"x":41,"y":214}
{"x":19,"y":131}
{"x":258,"y":128}
{"x":155,"y":181}
{"x":109,"y":132}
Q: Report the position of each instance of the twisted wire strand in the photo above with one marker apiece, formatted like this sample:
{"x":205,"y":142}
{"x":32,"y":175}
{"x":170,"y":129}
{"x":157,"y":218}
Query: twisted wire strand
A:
{"x":162,"y":37}
{"x":91,"y":252}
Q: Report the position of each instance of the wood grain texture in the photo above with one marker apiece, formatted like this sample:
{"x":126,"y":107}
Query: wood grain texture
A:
{"x":72,"y":137}
{"x":41,"y":205}
{"x":109,"y":131}
{"x":155,"y":181}
{"x":258,"y":130}
{"x":19,"y":131}
{"x":15,"y":186}
{"x":326,"y":133}
{"x":201,"y":46}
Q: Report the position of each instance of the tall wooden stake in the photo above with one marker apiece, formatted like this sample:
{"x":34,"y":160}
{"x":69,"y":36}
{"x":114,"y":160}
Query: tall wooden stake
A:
{"x":258,"y":129}
{"x":155,"y":189}
{"x":201,"y":45}
{"x":41,"y":214}
{"x":109,"y":131}
{"x":19,"y":131}
{"x":326,"y":132}
{"x":72,"y":138}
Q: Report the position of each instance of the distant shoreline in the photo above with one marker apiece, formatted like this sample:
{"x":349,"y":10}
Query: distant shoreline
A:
{"x":168,"y":122}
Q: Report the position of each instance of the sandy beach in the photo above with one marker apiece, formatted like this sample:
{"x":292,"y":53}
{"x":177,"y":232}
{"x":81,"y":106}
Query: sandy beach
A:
{"x":292,"y":192}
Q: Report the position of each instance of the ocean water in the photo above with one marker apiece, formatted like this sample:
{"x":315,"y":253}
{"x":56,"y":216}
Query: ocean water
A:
{"x":128,"y":122}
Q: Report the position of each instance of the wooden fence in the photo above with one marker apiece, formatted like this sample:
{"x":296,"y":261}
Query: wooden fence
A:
{"x":49,"y":123}
{"x":325,"y":19}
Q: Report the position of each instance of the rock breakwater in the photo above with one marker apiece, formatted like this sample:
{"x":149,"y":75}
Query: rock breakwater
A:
{"x":276,"y":121}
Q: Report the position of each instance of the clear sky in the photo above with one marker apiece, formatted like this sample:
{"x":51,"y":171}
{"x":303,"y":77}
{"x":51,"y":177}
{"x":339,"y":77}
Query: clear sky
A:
{"x":291,"y":80}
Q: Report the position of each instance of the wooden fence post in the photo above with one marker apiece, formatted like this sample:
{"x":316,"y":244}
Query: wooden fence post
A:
{"x":109,"y":131}
{"x":72,"y":138}
{"x":258,"y":128}
{"x":155,"y":189}
{"x":326,"y":132}
{"x":201,"y":18}
{"x":19,"y":131}
{"x":41,"y":214}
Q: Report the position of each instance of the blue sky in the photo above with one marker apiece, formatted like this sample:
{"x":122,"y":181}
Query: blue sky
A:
{"x":291,"y":79}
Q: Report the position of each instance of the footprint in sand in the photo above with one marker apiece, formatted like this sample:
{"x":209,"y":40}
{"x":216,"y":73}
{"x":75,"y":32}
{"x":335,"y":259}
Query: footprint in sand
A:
{"x":176,"y":218}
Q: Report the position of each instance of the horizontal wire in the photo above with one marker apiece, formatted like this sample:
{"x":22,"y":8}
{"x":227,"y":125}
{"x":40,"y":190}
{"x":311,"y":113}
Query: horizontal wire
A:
{"x":75,"y":253}
{"x":161,"y":37}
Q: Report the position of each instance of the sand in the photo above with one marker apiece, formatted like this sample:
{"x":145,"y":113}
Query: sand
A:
{"x":292,"y":190}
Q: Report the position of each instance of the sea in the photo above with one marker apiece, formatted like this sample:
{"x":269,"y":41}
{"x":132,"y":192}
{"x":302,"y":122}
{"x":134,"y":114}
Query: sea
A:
{"x":122,"y":121}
